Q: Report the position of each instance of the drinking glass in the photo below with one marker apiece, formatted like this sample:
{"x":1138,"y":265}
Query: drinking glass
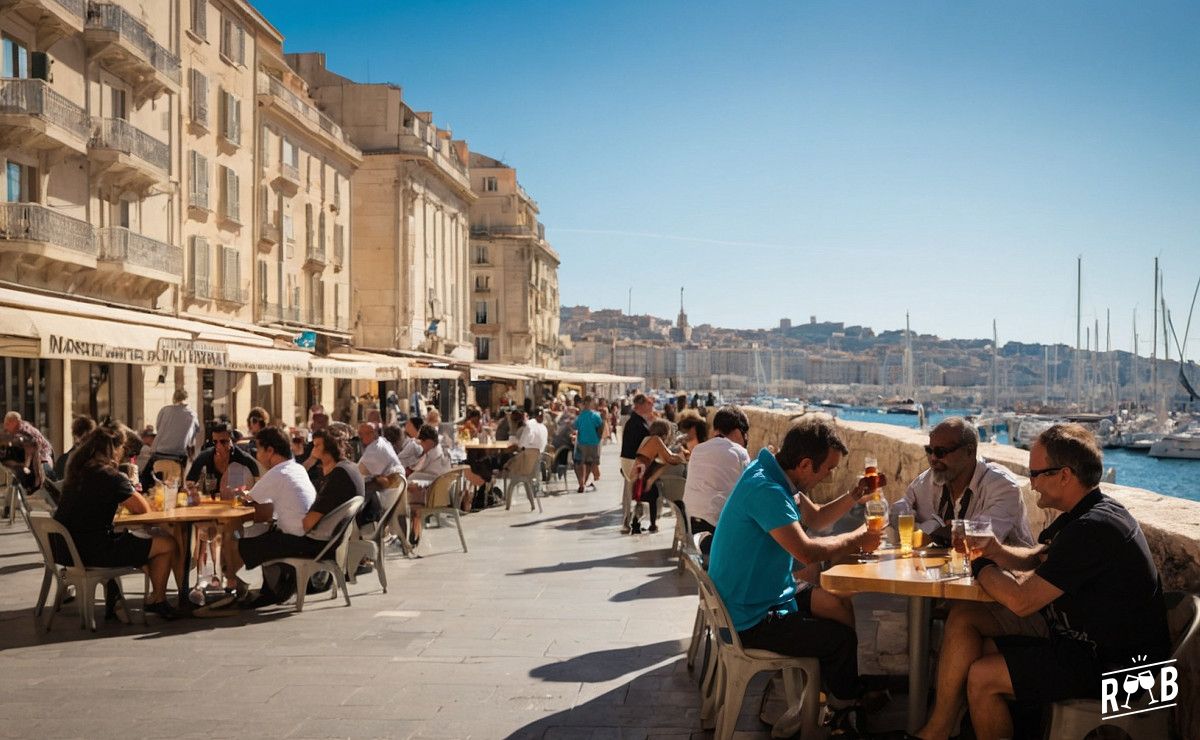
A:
{"x":958,"y":565}
{"x":871,"y":471}
{"x":877,"y":516}
{"x":978,"y":532}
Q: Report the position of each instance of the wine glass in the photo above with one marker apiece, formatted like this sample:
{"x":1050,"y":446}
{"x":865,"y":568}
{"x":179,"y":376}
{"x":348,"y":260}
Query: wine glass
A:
{"x":1146,"y":680}
{"x":1130,"y":685}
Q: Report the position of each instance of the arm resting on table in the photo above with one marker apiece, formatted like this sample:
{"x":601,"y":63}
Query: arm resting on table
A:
{"x":791,"y":537}
{"x":1020,"y":597}
{"x":136,"y":504}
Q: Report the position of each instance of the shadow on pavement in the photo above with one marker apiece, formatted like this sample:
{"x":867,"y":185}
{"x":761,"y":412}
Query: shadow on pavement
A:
{"x":640,"y":559}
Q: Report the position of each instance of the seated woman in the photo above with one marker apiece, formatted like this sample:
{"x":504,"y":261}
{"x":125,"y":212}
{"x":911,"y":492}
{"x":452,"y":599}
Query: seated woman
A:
{"x":92,"y":491}
{"x":432,"y":463}
{"x":652,"y":458}
{"x":694,"y":428}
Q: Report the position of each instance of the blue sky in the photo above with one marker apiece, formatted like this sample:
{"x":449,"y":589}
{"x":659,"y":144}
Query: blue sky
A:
{"x":851,"y":161}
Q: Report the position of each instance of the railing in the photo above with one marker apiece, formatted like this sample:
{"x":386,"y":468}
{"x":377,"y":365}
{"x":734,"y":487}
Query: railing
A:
{"x":74,"y":7}
{"x":477,"y":230}
{"x":268,"y":85}
{"x":276,"y":312}
{"x":107,"y":17}
{"x":289,"y":171}
{"x":199,"y":288}
{"x":36,"y":98}
{"x":198,"y":199}
{"x":121,"y":135}
{"x":118,"y":244}
{"x":483,"y":288}
{"x":315,"y":253}
{"x":233,"y":294}
{"x":37,"y":223}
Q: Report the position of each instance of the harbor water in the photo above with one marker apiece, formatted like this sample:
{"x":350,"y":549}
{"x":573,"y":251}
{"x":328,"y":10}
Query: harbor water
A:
{"x":1169,"y":477}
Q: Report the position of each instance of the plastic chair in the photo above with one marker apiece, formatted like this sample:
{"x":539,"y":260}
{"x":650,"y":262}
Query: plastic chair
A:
{"x":560,"y":467}
{"x":735,"y":666}
{"x":444,"y":495}
{"x":332,"y":558}
{"x":370,"y":545}
{"x":522,"y":470}
{"x":168,"y":470}
{"x":683,"y":530}
{"x":84,"y":579}
{"x":1079,"y":717}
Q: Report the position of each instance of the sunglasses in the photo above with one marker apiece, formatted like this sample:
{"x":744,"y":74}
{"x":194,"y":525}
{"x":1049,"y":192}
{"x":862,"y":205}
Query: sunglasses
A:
{"x":222,"y":441}
{"x":1035,"y":474}
{"x":940,"y":452}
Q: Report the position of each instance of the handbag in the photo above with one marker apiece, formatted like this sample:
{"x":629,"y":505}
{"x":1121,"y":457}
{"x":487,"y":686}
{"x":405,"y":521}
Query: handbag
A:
{"x":639,"y":487}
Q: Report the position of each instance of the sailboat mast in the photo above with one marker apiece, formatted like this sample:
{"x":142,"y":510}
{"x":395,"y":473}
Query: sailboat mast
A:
{"x":1077,"y":364}
{"x":1154,"y":342}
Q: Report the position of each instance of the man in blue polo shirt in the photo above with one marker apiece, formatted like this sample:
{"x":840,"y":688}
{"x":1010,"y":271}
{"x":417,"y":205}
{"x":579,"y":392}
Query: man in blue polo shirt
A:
{"x":587,"y":443}
{"x":759,"y":542}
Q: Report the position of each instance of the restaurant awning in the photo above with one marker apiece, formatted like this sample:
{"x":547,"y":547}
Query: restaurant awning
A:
{"x":497,"y":371}
{"x":568,"y":376}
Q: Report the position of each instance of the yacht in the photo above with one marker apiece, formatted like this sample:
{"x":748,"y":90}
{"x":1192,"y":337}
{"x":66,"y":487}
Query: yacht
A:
{"x":907,"y":406}
{"x":1180,"y":445}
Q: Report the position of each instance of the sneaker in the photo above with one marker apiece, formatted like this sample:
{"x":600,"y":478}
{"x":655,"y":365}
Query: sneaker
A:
{"x":365,"y":567}
{"x":635,"y":527}
{"x":161,"y":609}
{"x":653,"y":528}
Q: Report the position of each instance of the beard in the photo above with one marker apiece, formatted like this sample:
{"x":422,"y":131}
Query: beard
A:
{"x":940,"y":477}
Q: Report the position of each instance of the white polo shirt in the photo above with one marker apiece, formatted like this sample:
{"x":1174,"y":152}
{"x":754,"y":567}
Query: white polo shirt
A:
{"x":287,"y":487}
{"x":712,"y":471}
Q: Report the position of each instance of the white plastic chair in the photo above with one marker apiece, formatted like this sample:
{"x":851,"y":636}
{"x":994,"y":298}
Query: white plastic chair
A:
{"x":522,"y":470}
{"x":735,"y":666}
{"x":682,"y":538}
{"x":559,"y":466}
{"x":332,"y":558}
{"x":1079,"y":717}
{"x":84,"y":579}
{"x":443,"y":497}
{"x":395,"y":505}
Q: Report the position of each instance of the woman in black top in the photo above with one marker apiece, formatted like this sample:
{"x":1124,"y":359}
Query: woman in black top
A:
{"x":93,"y":490}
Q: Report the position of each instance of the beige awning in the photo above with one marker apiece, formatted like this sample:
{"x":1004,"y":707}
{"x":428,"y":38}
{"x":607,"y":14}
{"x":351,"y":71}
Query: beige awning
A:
{"x":438,"y":373}
{"x":325,"y":367}
{"x":63,"y":336}
{"x":497,"y":371}
{"x":267,"y":360}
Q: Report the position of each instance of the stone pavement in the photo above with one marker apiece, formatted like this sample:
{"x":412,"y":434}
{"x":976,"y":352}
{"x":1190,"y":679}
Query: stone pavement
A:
{"x":553,"y":625}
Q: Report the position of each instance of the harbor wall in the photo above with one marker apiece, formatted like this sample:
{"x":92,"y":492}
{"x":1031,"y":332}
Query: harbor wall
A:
{"x":1171,"y":525}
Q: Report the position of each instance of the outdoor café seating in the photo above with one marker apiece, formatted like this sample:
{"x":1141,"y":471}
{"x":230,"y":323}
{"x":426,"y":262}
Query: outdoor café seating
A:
{"x":337,"y":526}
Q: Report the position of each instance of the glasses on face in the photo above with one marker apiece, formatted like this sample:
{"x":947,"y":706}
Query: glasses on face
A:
{"x":219,"y":441}
{"x":940,"y":452}
{"x":1035,"y":474}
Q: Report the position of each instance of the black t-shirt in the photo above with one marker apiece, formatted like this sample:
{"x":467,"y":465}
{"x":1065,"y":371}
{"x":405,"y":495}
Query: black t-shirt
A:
{"x":635,"y":431}
{"x":1112,"y":595}
{"x":343,"y":483}
{"x":89,"y":504}
{"x":205,"y":461}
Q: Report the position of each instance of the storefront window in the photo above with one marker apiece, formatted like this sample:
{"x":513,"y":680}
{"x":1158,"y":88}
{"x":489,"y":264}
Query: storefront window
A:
{"x":24,"y":389}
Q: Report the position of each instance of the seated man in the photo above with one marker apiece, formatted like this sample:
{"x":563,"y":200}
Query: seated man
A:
{"x":225,"y":463}
{"x":432,"y":463}
{"x":282,"y":497}
{"x":1085,"y":600}
{"x":759,"y":541}
{"x":39,"y":457}
{"x":958,"y":485}
{"x":713,"y":469}
{"x":380,"y":469}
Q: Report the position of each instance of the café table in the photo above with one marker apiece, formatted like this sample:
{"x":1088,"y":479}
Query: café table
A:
{"x":921,"y":578}
{"x":495,"y":446}
{"x":185,"y":519}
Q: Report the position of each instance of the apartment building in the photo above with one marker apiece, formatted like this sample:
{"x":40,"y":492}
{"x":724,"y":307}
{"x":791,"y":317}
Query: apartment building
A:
{"x":410,"y":213}
{"x":514,"y":271}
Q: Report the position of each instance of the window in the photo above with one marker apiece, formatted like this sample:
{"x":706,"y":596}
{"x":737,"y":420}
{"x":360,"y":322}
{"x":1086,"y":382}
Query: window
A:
{"x":291,"y":155}
{"x":481,"y":312}
{"x":22,"y":183}
{"x":200,"y":266}
{"x":229,"y":181}
{"x":308,"y":226}
{"x":483,"y":283}
{"x":123,"y":214}
{"x":483,"y":346}
{"x":16,"y":58}
{"x":231,"y":118}
{"x":266,"y":147}
{"x":262,"y":282}
{"x":231,"y":274}
{"x":198,"y":181}
{"x":289,"y":233}
{"x":489,"y":185}
{"x":479,"y":254}
{"x":316,"y":294}
{"x":199,"y":98}
{"x":321,"y":232}
{"x":119,"y":108}
{"x":233,"y":41}
{"x":199,"y":19}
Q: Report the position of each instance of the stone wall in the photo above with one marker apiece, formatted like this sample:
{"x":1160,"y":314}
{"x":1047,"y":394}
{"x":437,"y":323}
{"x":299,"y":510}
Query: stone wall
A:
{"x":1171,"y":526}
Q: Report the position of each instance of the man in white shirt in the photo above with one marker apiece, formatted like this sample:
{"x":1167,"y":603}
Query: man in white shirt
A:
{"x":714,"y":468}
{"x":380,"y":468}
{"x":283,"y":494}
{"x":410,"y":450}
{"x":958,"y":485}
{"x":527,"y":434}
{"x":433,"y":463}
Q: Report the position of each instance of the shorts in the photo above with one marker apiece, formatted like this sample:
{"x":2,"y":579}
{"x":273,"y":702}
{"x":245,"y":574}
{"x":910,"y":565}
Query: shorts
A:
{"x":275,"y":543}
{"x":1049,"y":669}
{"x":587,"y":454}
{"x":104,"y":551}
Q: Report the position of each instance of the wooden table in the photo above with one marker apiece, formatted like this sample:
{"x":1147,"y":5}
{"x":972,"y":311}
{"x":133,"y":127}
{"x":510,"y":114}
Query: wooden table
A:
{"x":186,"y":518}
{"x":911,"y":577}
{"x":488,"y":446}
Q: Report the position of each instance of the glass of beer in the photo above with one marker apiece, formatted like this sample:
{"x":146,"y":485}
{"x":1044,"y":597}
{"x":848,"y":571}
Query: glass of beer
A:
{"x":877,"y":517}
{"x":979,"y":531}
{"x":958,"y":565}
{"x":871,"y":472}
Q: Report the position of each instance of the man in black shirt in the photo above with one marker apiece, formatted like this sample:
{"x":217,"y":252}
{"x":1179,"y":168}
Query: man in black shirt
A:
{"x":636,"y":429}
{"x":215,"y":460}
{"x":1088,"y":599}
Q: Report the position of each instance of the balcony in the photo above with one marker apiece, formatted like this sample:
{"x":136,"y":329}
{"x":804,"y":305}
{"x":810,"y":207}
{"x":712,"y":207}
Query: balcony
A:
{"x":483,"y":288}
{"x":273,"y":95}
{"x":125,"y":156}
{"x":51,"y":19}
{"x":273,"y":312}
{"x":268,"y":235}
{"x":233,"y":294}
{"x":141,"y":256}
{"x":421,"y":139}
{"x":479,"y":230}
{"x":199,"y":288}
{"x":34,"y":236}
{"x":34,"y":117}
{"x":287,"y":179}
{"x":125,"y":47}
{"x":314,"y":256}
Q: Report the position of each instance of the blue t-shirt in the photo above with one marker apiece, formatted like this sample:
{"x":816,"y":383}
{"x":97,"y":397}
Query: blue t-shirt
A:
{"x":751,"y":571}
{"x":588,"y":426}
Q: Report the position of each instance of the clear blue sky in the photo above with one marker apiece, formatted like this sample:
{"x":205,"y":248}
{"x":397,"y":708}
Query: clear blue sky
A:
{"x":848,"y":160}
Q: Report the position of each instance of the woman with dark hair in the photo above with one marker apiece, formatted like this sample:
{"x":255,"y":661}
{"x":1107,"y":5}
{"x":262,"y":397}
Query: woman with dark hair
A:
{"x":93,"y":490}
{"x":694,"y":428}
{"x":653,"y":456}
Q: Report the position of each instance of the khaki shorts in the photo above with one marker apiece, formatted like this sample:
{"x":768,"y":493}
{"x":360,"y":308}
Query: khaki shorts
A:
{"x":1010,"y":624}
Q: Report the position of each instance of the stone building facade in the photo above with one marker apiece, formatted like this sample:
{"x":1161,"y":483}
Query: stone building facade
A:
{"x":514,"y":272}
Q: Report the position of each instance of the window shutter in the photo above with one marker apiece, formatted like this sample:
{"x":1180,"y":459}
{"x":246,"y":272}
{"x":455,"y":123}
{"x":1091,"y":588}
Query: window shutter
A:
{"x":200,"y":267}
{"x":241,"y":44}
{"x":200,"y":18}
{"x":199,"y":84}
{"x":266,"y":147}
{"x":237,"y":121}
{"x":231,"y":194}
{"x":229,"y":272}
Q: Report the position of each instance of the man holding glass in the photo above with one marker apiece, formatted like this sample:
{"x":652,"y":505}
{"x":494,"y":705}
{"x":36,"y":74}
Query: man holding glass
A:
{"x":1085,"y":600}
{"x":760,"y":542}
{"x":959,"y":485}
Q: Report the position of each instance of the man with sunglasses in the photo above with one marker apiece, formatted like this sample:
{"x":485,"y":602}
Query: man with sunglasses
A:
{"x":958,"y":485}
{"x":215,"y":461}
{"x":1085,"y":600}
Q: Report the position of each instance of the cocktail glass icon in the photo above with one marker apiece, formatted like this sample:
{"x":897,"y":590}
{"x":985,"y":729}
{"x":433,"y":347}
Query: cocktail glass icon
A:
{"x":1130,"y":685}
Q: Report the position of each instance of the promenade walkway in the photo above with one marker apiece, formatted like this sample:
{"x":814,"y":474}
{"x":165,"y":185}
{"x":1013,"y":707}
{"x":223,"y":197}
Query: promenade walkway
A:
{"x":553,"y":626}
